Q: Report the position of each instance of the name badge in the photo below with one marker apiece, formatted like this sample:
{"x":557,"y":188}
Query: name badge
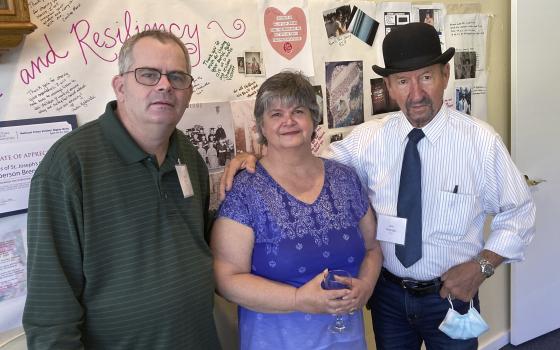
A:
{"x":184,"y":180}
{"x":391,"y":229}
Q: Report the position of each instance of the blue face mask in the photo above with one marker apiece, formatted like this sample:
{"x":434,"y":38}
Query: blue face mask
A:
{"x":467,"y":326}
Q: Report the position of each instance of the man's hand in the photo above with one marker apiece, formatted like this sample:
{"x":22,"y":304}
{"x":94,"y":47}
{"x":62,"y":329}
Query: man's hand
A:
{"x":360,"y":293}
{"x":462,"y":281}
{"x":246,"y":161}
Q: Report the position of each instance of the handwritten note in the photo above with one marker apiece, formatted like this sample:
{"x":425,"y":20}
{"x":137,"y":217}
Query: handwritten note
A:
{"x":219,"y":62}
{"x":479,"y":90}
{"x":466,"y":28}
{"x":339,"y":40}
{"x":247,"y":90}
{"x":58,"y":93}
{"x":318,"y":141}
{"x":199,"y":85}
{"x":53,"y":11}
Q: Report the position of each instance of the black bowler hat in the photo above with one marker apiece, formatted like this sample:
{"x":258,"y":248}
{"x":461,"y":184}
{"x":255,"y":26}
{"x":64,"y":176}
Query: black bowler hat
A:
{"x":410,"y":47}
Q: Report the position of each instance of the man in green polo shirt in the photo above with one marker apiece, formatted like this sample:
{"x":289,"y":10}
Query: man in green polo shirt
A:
{"x":117,"y":219}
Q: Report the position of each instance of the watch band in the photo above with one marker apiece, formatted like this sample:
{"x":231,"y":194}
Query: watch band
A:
{"x":486,"y":266}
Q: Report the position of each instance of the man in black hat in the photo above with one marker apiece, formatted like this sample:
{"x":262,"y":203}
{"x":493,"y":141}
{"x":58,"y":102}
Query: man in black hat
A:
{"x":433,"y":175}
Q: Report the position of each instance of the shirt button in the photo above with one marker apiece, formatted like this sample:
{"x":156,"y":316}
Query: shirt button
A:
{"x":164,"y":195}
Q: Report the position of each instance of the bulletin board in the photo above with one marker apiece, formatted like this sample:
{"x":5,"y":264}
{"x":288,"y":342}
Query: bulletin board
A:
{"x":65,"y":67}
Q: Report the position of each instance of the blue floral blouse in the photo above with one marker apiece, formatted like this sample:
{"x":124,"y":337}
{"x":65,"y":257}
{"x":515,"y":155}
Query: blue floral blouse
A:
{"x":295,"y":241}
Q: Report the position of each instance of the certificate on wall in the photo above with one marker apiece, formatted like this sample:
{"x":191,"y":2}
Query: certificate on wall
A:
{"x":23,"y":143}
{"x":12,"y":265}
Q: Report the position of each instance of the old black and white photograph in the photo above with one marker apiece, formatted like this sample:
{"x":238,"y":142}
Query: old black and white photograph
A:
{"x":209,"y":127}
{"x":336,"y":22}
{"x":465,"y":65}
{"x":241,"y":65}
{"x":253,"y":63}
{"x":463,"y":99}
{"x":432,"y":17}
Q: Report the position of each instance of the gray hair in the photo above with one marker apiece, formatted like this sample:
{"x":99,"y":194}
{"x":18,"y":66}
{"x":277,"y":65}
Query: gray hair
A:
{"x":125,"y":54}
{"x":289,"y":89}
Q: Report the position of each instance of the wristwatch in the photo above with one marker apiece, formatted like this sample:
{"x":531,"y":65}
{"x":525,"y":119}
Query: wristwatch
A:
{"x":486,"y":266}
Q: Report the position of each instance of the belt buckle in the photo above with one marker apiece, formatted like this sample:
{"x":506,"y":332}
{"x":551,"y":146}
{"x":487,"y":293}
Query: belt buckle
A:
{"x":409,"y":284}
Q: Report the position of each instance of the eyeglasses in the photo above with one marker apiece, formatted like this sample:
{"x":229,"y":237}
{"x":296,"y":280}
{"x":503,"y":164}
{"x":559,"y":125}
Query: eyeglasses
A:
{"x":152,"y":76}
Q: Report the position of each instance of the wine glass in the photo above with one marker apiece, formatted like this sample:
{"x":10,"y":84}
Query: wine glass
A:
{"x":330,"y":282}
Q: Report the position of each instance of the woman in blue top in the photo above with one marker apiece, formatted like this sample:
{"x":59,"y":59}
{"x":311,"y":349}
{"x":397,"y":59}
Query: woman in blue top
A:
{"x":280,"y":229}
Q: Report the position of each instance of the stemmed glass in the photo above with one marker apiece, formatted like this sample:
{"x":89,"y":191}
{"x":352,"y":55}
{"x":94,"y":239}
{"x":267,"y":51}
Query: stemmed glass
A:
{"x":330,"y":282}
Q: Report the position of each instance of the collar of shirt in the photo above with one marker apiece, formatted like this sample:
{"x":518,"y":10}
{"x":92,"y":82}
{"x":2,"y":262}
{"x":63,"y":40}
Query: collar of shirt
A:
{"x":124,"y":144}
{"x":433,"y":130}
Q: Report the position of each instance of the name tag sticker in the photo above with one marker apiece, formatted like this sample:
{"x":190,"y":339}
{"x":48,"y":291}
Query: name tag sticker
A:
{"x":184,"y":180}
{"x":391,"y":229}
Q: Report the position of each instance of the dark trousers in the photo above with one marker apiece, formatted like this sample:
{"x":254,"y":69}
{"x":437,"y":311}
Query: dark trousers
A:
{"x":402,"y":320}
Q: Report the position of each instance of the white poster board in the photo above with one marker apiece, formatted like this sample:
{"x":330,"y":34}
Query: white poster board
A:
{"x":66,"y":65}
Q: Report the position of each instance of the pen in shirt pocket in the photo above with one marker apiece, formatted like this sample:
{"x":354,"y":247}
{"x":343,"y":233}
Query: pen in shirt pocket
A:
{"x":456,"y":188}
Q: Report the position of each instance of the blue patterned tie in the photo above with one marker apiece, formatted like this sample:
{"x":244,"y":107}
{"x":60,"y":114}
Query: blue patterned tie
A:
{"x":409,"y":204}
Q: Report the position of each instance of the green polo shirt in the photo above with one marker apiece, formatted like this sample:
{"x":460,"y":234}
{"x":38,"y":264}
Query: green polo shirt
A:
{"x":117,"y":256}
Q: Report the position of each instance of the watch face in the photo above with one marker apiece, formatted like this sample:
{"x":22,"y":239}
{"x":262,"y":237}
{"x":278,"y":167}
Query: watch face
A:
{"x":486,"y":267}
{"x":487,"y":270}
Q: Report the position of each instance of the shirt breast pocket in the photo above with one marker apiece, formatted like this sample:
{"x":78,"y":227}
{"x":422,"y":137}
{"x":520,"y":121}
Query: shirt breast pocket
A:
{"x":456,"y":214}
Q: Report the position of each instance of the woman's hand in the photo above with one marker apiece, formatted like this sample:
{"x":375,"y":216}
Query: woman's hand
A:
{"x":312,"y":298}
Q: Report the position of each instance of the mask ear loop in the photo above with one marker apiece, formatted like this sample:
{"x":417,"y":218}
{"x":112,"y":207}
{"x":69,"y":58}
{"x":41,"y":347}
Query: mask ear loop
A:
{"x":471,"y":304}
{"x":450,"y":302}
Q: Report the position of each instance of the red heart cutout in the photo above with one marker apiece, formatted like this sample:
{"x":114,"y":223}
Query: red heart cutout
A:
{"x":286,"y":33}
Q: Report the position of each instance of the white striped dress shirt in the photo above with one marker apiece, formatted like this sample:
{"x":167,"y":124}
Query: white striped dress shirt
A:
{"x":458,"y":151}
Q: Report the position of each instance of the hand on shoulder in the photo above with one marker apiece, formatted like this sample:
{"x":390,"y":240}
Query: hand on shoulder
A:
{"x":247,"y":161}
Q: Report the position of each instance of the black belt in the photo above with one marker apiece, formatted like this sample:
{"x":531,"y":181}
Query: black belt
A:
{"x":413,"y":286}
